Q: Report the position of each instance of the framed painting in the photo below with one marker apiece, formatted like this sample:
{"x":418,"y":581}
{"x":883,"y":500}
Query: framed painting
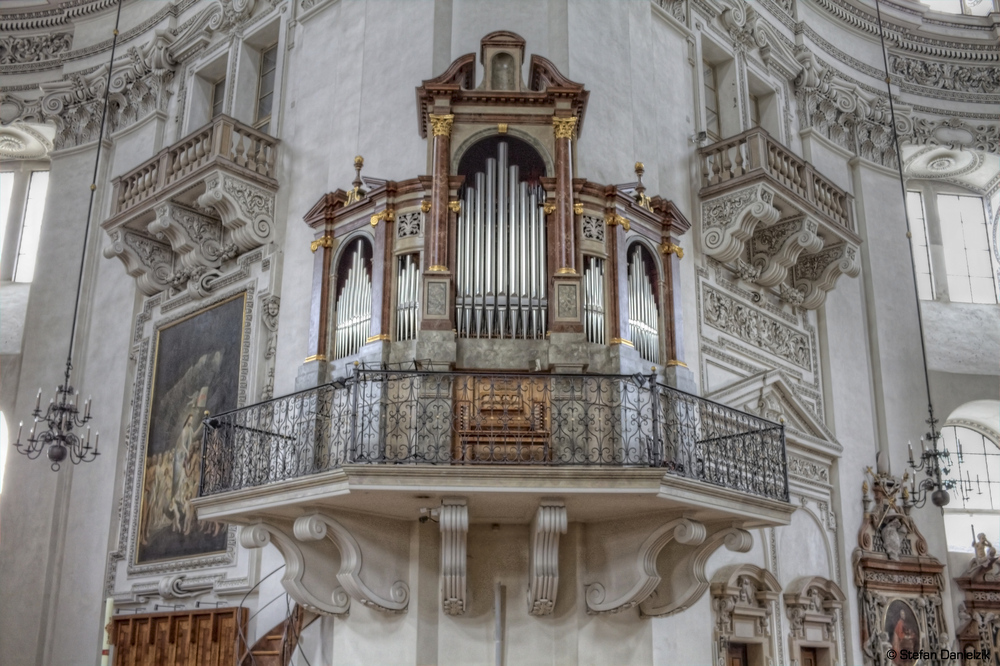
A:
{"x":904,"y":632}
{"x":196,"y":371}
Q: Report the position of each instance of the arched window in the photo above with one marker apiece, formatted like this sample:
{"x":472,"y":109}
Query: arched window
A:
{"x":643,"y":305}
{"x":974,"y":466}
{"x":500,"y":276}
{"x":354,"y":298}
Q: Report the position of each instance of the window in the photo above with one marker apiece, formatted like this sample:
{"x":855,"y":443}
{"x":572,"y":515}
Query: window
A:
{"x":974,"y":465}
{"x":754,"y":111}
{"x":969,"y":264}
{"x":711,"y":103}
{"x":265,"y":88}
{"x":22,"y":205}
{"x":918,"y":240}
{"x":218,"y":97}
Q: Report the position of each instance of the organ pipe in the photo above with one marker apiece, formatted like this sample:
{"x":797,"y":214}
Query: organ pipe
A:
{"x":501,"y":256}
{"x":408,"y":298}
{"x":354,"y":306}
{"x":593,"y":299}
{"x":643,"y":314}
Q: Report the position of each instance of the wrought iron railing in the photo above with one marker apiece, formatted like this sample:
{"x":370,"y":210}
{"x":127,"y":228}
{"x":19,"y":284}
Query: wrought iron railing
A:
{"x":472,"y":418}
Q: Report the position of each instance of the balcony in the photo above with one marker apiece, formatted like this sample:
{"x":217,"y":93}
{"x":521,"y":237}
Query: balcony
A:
{"x":447,"y":424}
{"x":775,"y":219}
{"x":179,"y":217}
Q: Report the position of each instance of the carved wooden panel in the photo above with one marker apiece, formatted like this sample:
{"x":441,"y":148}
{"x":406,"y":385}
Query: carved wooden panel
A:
{"x":502,"y":419}
{"x":203,"y":637}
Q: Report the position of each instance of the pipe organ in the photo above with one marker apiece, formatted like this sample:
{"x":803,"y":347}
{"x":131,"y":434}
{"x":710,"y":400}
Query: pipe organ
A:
{"x":500,"y":262}
{"x":408,"y":297}
{"x":354,"y":303}
{"x":643,"y":314}
{"x":593,"y":299}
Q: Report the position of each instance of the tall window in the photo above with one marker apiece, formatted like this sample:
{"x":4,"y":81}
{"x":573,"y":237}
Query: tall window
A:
{"x":22,"y":205}
{"x":921,"y":254}
{"x":711,"y":103}
{"x":971,"y":272}
{"x":218,"y":97}
{"x":265,"y":88}
{"x":754,"y":111}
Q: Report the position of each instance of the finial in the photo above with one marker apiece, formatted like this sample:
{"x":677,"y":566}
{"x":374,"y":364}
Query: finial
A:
{"x":356,"y":194}
{"x":640,"y":189}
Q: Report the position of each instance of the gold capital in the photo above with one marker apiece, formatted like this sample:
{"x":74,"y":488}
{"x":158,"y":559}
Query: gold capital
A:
{"x":325,"y":241}
{"x":455,"y":206}
{"x":611,"y":220}
{"x":670,"y":248}
{"x":548,"y":208}
{"x":564,"y":127}
{"x":578,"y":208}
{"x":425,"y":206}
{"x":441,"y":125}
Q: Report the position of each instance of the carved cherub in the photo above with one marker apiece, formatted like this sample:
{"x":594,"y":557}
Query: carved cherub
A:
{"x":985,"y":553}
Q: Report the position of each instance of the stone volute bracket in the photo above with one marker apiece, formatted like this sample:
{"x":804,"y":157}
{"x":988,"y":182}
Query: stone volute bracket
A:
{"x":454,"y":525}
{"x":323,"y":565}
{"x":543,"y":567}
{"x":669,"y":563}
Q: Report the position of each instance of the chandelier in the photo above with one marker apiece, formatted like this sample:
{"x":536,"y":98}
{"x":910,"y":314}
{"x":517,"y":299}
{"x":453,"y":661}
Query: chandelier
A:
{"x":932,"y":455}
{"x":53,"y":429}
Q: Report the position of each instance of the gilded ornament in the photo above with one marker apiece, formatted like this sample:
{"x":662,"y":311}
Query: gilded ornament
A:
{"x":455,"y":206}
{"x":425,"y":206}
{"x":622,"y":341}
{"x":671,"y":248}
{"x":325,"y":241}
{"x":612,"y":219}
{"x":578,"y":208}
{"x":502,"y":128}
{"x":315,"y":357}
{"x":441,"y":124}
{"x":388,"y":215}
{"x":376,"y":338}
{"x":564,"y":127}
{"x":566,"y":270}
{"x":437,"y":268}
{"x":548,"y":208}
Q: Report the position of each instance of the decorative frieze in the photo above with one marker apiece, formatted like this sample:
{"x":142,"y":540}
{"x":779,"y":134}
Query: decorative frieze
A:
{"x":946,"y":75}
{"x":749,"y":324}
{"x":33,"y":48}
{"x":808,"y":470}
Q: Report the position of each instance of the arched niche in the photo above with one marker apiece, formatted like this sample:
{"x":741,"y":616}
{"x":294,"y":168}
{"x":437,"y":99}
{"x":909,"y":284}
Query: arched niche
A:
{"x":352,"y":280}
{"x":813,"y":605}
{"x":522,"y":150}
{"x":744,"y":598}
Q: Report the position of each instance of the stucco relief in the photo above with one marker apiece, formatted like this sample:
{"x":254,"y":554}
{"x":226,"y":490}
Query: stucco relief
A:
{"x":32,"y":48}
{"x":748,"y":324}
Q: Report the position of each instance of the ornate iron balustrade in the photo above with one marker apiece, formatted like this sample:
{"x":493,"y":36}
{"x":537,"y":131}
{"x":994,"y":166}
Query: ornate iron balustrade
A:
{"x":470,"y":418}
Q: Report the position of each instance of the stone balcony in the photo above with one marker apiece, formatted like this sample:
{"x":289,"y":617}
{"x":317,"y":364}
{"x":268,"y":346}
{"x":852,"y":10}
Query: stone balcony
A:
{"x":177,"y":218}
{"x":337,"y":472}
{"x":776,"y":220}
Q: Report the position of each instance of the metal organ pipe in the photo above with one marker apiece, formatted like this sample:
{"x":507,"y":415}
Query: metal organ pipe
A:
{"x":643,"y":315}
{"x":408,"y":298}
{"x":354,"y":306}
{"x":501,"y":270}
{"x":593,"y":299}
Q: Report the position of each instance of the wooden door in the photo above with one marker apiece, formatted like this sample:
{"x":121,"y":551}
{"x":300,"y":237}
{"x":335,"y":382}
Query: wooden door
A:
{"x":737,"y":655}
{"x":808,"y":657}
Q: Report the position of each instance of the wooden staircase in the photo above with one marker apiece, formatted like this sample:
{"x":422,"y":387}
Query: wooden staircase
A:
{"x":276,"y":647}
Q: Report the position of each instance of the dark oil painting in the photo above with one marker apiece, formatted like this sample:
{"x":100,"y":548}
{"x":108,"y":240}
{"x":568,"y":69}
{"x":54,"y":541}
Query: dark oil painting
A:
{"x":196,"y":370}
{"x":904,"y":632}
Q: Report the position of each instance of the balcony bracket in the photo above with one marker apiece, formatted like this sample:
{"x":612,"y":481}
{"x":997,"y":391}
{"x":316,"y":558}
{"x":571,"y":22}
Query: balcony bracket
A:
{"x":683,"y":531}
{"x":309,"y":576}
{"x":454,"y":523}
{"x":320,"y":528}
{"x":729,"y":221}
{"x":775,"y":249}
{"x":543,"y":576}
{"x":196,"y":239}
{"x":687,"y":582}
{"x":816,"y":274}
{"x":247,"y":210}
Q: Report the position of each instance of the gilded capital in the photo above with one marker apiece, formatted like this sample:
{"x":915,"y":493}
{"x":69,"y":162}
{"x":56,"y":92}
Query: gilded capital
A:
{"x":564,"y":127}
{"x":441,"y":125}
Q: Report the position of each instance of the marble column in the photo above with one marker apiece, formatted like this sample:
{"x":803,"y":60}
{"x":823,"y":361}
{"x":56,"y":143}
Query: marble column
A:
{"x":438,"y":299}
{"x":564,"y":297}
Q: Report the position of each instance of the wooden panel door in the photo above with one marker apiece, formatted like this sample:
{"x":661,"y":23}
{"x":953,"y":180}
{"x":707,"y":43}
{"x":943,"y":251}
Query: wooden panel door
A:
{"x":737,"y":655}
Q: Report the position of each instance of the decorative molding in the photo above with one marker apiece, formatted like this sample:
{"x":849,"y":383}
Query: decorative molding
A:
{"x":543,"y":563}
{"x":22,"y":141}
{"x":34,"y":48}
{"x":682,"y":530}
{"x":744,"y":594}
{"x":775,"y":249}
{"x":946,"y":75}
{"x":319,"y":526}
{"x":454,"y":524}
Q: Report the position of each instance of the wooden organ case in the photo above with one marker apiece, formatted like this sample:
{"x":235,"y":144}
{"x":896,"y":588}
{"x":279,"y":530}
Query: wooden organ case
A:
{"x":499,"y":246}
